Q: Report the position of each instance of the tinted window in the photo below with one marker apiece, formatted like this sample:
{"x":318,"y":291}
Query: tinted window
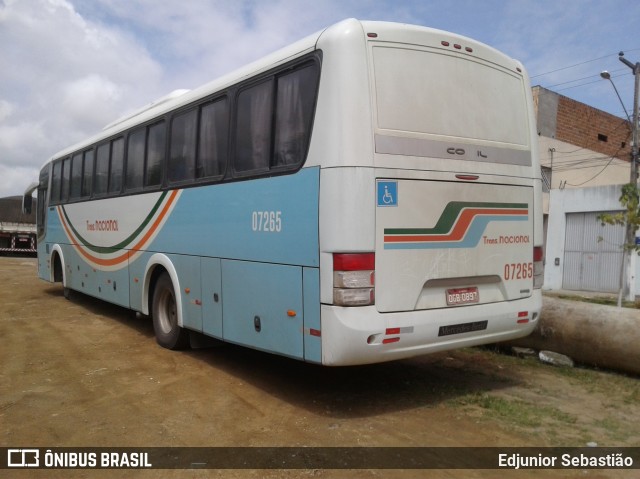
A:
{"x":66,"y":173}
{"x":135,"y":159}
{"x":183,"y":146}
{"x":212,"y":149}
{"x":253,"y":127}
{"x":294,"y":115}
{"x":87,"y":173}
{"x":76,"y":176}
{"x":155,"y":154}
{"x":56,"y":181}
{"x":102,"y":169}
{"x":117,"y":165}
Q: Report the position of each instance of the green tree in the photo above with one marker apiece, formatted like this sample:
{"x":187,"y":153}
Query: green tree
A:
{"x":630,"y":218}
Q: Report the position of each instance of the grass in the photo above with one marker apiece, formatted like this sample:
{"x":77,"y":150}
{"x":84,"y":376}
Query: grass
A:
{"x":516,"y":412}
{"x":540,"y":401}
{"x":633,"y":396}
{"x":604,"y":300}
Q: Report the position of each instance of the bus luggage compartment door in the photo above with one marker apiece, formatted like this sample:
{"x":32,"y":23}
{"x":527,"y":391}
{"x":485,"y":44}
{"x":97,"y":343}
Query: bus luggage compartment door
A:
{"x":263,"y":306}
{"x":446,"y":244}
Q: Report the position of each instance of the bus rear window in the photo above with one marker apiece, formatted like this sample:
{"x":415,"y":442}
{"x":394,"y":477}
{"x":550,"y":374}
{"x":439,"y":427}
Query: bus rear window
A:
{"x":449,"y":96}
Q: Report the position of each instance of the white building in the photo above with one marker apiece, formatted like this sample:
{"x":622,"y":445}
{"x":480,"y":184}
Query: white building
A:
{"x":585,"y":159}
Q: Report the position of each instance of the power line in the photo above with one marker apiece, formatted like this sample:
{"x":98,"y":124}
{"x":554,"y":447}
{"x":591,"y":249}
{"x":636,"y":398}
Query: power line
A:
{"x":571,"y":159}
{"x":598,"y":173}
{"x":582,"y":63}
{"x":586,"y":78}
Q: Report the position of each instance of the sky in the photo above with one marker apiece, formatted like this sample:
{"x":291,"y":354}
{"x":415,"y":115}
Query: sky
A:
{"x":69,"y":67}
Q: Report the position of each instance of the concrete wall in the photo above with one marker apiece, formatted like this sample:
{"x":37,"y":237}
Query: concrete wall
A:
{"x":578,"y":200}
{"x":575,"y":167}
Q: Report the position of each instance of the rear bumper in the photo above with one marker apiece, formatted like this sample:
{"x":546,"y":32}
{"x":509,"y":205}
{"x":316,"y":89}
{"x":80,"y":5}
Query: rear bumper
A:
{"x":362,"y":335}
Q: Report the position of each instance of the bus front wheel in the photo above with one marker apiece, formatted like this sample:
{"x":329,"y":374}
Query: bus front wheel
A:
{"x":165,"y":316}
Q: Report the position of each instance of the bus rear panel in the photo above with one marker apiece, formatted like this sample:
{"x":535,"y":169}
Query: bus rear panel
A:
{"x":452,"y":201}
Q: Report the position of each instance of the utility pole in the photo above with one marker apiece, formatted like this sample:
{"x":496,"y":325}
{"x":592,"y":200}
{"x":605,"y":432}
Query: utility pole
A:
{"x":631,"y":234}
{"x":635,"y":68}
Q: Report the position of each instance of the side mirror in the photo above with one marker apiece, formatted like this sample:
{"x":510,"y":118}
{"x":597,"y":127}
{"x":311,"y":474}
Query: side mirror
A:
{"x":27,"y":203}
{"x":27,"y":199}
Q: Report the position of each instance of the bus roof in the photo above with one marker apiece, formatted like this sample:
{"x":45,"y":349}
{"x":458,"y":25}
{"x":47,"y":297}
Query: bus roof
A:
{"x":399,"y":33}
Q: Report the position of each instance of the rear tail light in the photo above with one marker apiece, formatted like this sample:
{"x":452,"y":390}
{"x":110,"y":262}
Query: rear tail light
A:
{"x":354,"y":279}
{"x":538,"y":267}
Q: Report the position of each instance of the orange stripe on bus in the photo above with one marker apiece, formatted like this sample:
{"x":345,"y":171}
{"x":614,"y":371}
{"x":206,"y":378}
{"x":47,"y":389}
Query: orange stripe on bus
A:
{"x":459,"y":229}
{"x":127,"y":255}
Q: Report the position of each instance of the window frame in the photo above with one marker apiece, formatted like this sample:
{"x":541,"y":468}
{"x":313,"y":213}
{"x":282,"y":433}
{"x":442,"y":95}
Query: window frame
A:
{"x":119,"y":191}
{"x":313,"y":60}
{"x":84,"y":195}
{"x":163,"y":158}
{"x":191,"y":109}
{"x":260,"y":170}
{"x":75,"y":177}
{"x":65,"y":184}
{"x":56,"y":181}
{"x":98,"y":146}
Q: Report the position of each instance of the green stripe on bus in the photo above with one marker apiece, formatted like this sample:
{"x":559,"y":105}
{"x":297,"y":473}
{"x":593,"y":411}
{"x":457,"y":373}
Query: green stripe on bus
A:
{"x":122,"y":244}
{"x":449,"y":215}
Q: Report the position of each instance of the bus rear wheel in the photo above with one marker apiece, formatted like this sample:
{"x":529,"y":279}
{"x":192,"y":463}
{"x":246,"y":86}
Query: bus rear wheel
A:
{"x":165,"y":316}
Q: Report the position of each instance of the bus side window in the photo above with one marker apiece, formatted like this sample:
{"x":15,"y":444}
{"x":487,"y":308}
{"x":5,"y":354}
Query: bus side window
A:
{"x":56,"y":180}
{"x":76,"y":177}
{"x":87,"y":173}
{"x":102,"y":170}
{"x":117,"y":165}
{"x":253,"y":128}
{"x":212,"y":148}
{"x":135,"y":159}
{"x":66,"y":173}
{"x":182,"y":158}
{"x":294,"y":115}
{"x":155,"y":154}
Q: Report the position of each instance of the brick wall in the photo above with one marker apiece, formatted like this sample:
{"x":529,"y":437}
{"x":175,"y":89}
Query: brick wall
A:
{"x":582,"y":125}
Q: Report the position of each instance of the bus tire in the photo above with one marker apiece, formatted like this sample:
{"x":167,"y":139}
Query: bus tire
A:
{"x":165,"y":315}
{"x":66,"y":292}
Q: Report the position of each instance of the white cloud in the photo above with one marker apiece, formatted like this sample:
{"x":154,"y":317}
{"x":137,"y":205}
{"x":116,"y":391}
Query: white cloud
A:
{"x":87,"y":100}
{"x":14,"y":180}
{"x":15,"y":136}
{"x":198,"y":41}
{"x":67,"y":78}
{"x":6,"y":109}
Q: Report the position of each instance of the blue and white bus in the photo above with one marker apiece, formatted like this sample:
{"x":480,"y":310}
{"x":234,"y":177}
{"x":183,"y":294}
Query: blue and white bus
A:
{"x":369,"y":193}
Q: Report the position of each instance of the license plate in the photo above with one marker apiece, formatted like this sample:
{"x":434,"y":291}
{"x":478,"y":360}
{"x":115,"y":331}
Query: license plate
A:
{"x":459,"y":296}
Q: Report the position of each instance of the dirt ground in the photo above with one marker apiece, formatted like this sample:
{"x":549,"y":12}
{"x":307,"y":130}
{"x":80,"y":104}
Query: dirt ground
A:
{"x":84,"y":373}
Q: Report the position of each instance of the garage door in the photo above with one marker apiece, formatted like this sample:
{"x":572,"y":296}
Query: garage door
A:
{"x":592,"y":254}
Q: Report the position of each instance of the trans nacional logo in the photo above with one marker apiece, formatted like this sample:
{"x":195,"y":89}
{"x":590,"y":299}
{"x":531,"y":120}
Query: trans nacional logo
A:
{"x":461,"y":225}
{"x":109,"y":233}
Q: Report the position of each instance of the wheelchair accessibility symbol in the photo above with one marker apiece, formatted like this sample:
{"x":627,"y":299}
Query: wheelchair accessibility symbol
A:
{"x":387,"y":193}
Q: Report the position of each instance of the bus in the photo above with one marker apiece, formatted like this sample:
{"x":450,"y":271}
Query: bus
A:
{"x":369,"y":193}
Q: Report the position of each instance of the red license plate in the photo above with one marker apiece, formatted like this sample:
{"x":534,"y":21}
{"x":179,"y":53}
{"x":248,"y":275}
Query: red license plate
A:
{"x":462,"y":296}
